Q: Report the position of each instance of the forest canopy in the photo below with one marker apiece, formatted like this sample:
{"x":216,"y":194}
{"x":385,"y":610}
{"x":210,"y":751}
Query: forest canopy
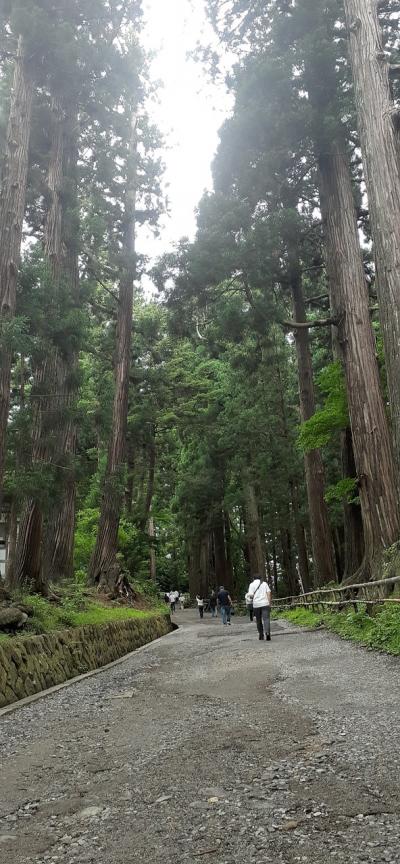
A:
{"x":245,"y":419}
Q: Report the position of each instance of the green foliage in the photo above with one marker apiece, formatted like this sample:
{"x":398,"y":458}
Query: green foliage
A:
{"x":344,"y":490}
{"x":322,"y":426}
{"x":85,"y":537}
{"x":76,"y":611}
{"x":380,"y":630}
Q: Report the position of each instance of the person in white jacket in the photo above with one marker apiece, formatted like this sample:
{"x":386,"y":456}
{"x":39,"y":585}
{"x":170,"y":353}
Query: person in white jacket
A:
{"x":261,"y":596}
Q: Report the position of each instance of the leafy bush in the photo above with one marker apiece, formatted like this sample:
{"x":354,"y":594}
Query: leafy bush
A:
{"x":85,"y":537}
{"x":381,"y":630}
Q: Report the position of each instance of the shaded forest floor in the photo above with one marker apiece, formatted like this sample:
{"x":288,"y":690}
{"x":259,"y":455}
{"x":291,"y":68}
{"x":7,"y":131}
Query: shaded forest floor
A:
{"x":210,"y":745}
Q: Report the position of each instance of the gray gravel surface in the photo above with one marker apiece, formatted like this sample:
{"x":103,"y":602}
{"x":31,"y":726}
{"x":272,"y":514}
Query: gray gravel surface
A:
{"x":210,"y":746}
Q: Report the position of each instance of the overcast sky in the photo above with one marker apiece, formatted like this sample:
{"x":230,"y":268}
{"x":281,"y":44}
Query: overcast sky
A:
{"x":189,"y":113}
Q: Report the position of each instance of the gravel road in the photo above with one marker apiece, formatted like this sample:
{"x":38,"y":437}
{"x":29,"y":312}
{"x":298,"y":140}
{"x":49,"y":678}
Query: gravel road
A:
{"x":210,"y":746}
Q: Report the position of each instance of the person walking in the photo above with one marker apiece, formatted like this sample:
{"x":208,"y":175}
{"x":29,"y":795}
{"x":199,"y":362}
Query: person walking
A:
{"x":213,"y":604}
{"x":200,"y":605}
{"x":260,"y":594}
{"x":182,"y":601}
{"x":225,"y":605}
{"x":172,"y":600}
{"x":249,"y":606}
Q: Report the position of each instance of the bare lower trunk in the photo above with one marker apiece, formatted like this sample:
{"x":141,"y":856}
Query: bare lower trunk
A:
{"x":194,"y":567}
{"x":130,"y":462}
{"x":288,"y":565}
{"x":12,"y":545}
{"x":350,"y":304}
{"x":379,"y":124}
{"x":151,"y":450}
{"x":321,"y":537}
{"x":205,"y":557}
{"x":153,"y":559}
{"x":104,"y":568}
{"x":301,"y":543}
{"x":353,"y":525}
{"x":338,"y":544}
{"x":28,"y":569}
{"x":275,"y":564}
{"x":59,"y":538}
{"x":47,"y":388}
{"x":228,"y":541}
{"x":253,"y":530}
{"x":12,"y":209}
{"x":223,"y":574}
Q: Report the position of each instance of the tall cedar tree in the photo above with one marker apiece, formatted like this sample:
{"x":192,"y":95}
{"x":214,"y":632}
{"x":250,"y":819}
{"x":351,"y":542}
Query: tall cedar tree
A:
{"x":379,"y":125}
{"x":105,"y":570}
{"x":12,"y":210}
{"x":289,"y":29}
{"x":349,"y":298}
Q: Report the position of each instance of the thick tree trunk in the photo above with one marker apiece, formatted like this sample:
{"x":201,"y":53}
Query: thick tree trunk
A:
{"x":60,"y":532}
{"x":321,"y":537}
{"x":222,"y":576}
{"x":153,"y":559}
{"x":28,"y":567}
{"x":274,"y":564}
{"x":354,"y":548}
{"x":48,"y":403}
{"x":379,"y":124}
{"x":12,"y":545}
{"x":12,"y":209}
{"x":350,"y":305}
{"x":104,"y":568}
{"x":338,"y":544}
{"x":205,"y":559}
{"x":246,"y":551}
{"x":130,"y":477}
{"x":150,"y":480}
{"x":229,"y":562}
{"x":301,"y":543}
{"x":288,"y":565}
{"x":253,"y":529}
{"x":194,"y":567}
{"x":60,"y":529}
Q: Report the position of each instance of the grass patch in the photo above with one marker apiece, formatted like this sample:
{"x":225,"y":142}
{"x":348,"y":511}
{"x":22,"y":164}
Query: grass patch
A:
{"x":101,"y":615}
{"x":381,"y":630}
{"x":75,"y":610}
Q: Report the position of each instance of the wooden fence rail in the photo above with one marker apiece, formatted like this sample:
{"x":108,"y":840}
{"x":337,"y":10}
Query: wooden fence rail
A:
{"x":367,"y":593}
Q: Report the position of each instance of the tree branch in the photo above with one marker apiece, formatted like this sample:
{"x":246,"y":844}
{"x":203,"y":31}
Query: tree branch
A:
{"x":306,"y":325}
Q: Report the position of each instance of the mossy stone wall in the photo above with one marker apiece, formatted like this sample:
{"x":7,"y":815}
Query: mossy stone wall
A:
{"x":33,"y":663}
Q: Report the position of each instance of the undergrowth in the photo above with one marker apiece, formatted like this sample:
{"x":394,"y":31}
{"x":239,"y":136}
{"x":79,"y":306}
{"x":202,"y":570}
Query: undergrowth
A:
{"x":381,"y":630}
{"x":75,"y":610}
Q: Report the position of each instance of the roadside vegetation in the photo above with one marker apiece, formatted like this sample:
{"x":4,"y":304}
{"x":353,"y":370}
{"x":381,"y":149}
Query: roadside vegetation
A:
{"x":379,"y":630}
{"x":79,"y":608}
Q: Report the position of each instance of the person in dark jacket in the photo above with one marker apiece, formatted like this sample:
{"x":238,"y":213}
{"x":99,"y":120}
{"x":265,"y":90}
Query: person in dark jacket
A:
{"x":212,"y":605}
{"x":224,"y":605}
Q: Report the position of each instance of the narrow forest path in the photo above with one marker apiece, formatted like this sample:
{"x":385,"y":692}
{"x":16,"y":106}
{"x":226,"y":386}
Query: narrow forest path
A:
{"x":210,"y":746}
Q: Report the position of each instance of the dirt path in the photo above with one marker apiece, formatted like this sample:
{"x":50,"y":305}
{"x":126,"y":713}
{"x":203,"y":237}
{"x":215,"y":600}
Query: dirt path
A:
{"x":210,"y":746}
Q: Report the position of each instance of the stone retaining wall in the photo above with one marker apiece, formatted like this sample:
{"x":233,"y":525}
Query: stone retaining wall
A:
{"x":29,"y":664}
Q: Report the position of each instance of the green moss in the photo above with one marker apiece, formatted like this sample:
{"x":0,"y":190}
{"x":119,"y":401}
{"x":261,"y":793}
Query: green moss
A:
{"x":102,"y":615}
{"x":75,"y":610}
{"x":381,"y":630}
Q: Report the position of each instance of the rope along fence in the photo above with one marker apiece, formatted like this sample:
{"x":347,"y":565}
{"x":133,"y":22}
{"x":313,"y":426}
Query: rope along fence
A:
{"x":366,"y":593}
